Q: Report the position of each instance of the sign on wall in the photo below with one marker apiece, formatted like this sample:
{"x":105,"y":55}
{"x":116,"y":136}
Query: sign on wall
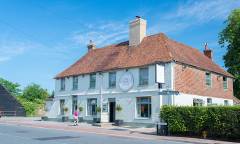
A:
{"x":160,"y":73}
{"x":126,"y":81}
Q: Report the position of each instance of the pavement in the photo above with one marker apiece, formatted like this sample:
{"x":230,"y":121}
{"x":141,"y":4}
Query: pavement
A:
{"x":17,"y":130}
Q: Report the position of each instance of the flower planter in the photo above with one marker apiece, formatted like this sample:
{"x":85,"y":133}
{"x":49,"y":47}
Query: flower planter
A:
{"x":65,"y":118}
{"x":80,"y":119}
{"x":118,"y":122}
{"x":96,"y":120}
{"x":44,"y":118}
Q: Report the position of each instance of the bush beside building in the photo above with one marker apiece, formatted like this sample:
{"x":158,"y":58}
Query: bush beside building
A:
{"x":215,"y":121}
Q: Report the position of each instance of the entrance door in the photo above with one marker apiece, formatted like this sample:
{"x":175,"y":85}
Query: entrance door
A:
{"x":112,"y":111}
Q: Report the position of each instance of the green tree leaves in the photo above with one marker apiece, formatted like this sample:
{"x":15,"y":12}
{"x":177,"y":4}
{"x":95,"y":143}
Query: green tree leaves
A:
{"x":230,"y":37}
{"x":11,"y":87}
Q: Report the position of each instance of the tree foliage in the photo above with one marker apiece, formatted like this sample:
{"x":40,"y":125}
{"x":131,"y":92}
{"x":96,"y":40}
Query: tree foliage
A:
{"x":11,"y":87}
{"x":230,"y":37}
{"x":35,"y":93}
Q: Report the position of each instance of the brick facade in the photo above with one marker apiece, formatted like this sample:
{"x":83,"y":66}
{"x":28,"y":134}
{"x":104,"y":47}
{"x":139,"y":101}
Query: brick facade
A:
{"x":191,"y":80}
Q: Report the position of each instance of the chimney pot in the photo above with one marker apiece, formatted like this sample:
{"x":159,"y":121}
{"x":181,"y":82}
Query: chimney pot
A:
{"x":207,"y":52}
{"x":91,"y":46}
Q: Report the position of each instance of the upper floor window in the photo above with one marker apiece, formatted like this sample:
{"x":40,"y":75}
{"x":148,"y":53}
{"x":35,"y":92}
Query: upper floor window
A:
{"x":208,"y":79}
{"x":75,"y":83}
{"x":92,"y":81}
{"x":112,"y":79}
{"x":143,"y":76}
{"x":209,"y":101}
{"x":62,"y":81}
{"x":225,"y":83}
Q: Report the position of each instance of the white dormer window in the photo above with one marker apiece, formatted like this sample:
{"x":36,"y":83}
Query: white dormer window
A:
{"x":62,"y":84}
{"x":112,"y":79}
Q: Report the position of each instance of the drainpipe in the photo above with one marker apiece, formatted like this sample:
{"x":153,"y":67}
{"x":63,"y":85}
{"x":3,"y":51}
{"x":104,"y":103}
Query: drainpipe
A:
{"x":101,"y":84}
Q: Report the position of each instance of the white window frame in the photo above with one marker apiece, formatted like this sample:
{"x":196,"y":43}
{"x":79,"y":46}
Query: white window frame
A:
{"x":90,"y":81}
{"x":62,"y":84}
{"x":208,"y":79}
{"x":75,"y":83}
{"x":149,"y":108}
{"x":210,"y":100}
{"x":109,"y":79}
{"x":88,"y":110}
{"x":225,"y":83}
{"x":141,"y":77}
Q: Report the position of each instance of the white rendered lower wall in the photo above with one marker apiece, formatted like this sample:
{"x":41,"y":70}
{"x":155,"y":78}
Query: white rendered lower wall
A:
{"x":187,"y":100}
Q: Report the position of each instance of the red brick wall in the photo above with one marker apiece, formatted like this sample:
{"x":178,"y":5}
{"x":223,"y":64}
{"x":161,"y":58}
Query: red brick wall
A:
{"x":192,"y":81}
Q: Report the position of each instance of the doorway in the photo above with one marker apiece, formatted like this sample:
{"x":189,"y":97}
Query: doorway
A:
{"x":112,"y":111}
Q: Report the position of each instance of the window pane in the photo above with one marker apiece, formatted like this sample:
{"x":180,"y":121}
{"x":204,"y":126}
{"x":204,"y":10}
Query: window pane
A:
{"x":91,"y":106}
{"x":75,"y":82}
{"x":143,"y":76}
{"x":62,"y":84}
{"x":112,"y":79}
{"x":92,"y":80}
{"x":225,"y":84}
{"x":144,"y":107}
{"x":208,"y":79}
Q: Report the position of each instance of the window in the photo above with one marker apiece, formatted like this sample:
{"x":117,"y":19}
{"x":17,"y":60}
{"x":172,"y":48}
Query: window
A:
{"x":75,"y":83}
{"x":62,"y":103}
{"x":92,"y":81}
{"x":144,"y":107}
{"x":112,"y":79}
{"x":208,"y":79}
{"x":209,"y":101}
{"x":62,"y":84}
{"x":225,"y":83}
{"x":74,"y":104}
{"x":143,"y":76}
{"x":91,"y":106}
{"x":197,"y":102}
{"x":226,"y":102}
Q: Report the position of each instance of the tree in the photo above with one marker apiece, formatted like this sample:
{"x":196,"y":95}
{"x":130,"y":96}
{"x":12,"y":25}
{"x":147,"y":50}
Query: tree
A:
{"x":230,"y":37}
{"x":35,"y":93}
{"x":11,"y":87}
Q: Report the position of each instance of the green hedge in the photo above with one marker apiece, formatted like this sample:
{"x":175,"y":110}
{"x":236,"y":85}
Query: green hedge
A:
{"x":218,"y":121}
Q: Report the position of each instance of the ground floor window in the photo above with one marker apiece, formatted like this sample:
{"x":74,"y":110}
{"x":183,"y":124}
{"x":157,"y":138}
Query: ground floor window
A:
{"x":198,"y":102}
{"x":144,"y":107}
{"x":62,"y":103}
{"x":226,"y":102}
{"x":91,"y":106}
{"x":209,"y":101}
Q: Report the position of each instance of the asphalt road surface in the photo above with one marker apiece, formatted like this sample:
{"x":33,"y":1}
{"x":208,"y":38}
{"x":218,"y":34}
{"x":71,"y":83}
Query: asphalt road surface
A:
{"x":13,"y":134}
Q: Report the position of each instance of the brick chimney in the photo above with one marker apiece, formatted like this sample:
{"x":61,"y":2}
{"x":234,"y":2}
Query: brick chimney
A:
{"x":207,"y":52}
{"x":91,"y":46}
{"x":137,"y":31}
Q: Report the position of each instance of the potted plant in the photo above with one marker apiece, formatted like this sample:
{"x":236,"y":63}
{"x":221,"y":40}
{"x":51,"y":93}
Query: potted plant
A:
{"x":97,"y":119}
{"x":65,"y":117}
{"x":80,"y":118}
{"x":118,"y":122}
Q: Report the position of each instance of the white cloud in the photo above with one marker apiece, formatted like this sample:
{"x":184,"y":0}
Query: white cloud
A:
{"x":10,"y":49}
{"x":102,"y":33}
{"x":194,"y":13}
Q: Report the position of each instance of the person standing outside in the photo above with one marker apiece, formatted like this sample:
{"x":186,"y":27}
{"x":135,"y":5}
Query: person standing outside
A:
{"x":75,"y":117}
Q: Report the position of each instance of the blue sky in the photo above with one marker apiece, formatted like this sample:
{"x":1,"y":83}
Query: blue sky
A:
{"x":39,"y":39}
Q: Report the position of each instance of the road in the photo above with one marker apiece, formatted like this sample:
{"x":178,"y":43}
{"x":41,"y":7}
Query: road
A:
{"x":13,"y":134}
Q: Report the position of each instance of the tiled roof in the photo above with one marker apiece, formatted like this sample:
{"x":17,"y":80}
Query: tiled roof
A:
{"x":153,"y":49}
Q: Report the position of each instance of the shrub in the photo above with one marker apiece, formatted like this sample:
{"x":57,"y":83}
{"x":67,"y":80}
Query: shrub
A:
{"x":218,"y":121}
{"x":118,"y":108}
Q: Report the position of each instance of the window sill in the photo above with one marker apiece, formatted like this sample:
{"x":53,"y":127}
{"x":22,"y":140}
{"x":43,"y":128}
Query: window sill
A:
{"x":142,"y":118}
{"x":142,"y":86}
{"x":111,"y":88}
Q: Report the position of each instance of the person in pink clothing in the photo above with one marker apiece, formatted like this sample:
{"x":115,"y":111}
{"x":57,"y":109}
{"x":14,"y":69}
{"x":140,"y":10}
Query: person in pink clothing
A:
{"x":75,"y":117}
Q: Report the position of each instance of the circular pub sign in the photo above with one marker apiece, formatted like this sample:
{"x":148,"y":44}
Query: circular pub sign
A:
{"x":126,"y":81}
